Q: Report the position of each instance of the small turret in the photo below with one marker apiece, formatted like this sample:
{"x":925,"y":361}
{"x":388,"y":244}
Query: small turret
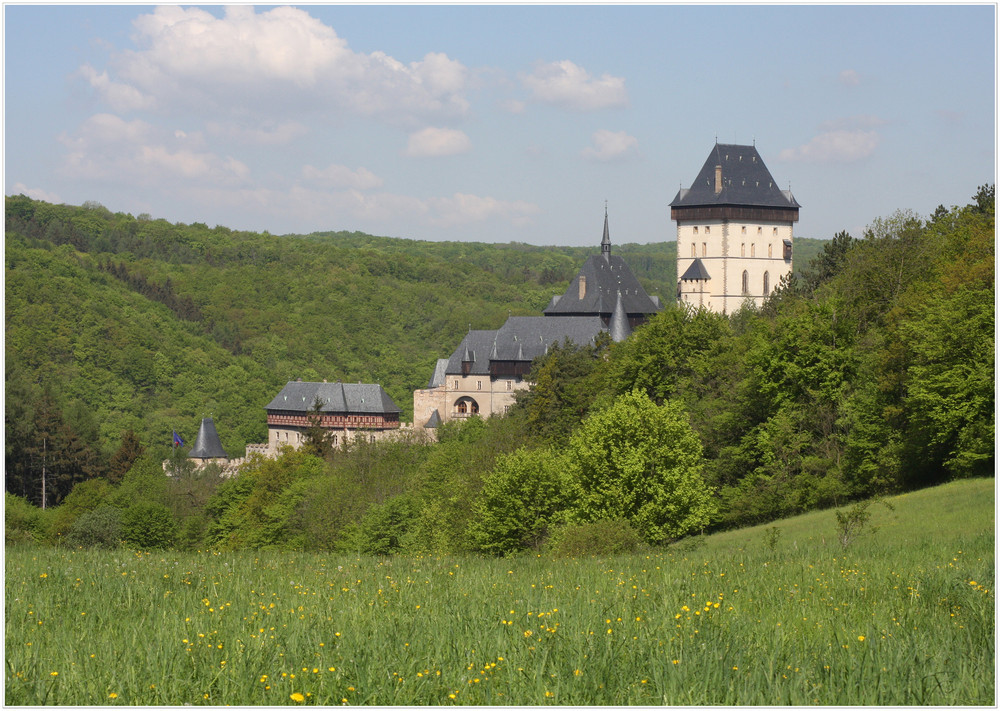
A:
{"x":606,"y":240}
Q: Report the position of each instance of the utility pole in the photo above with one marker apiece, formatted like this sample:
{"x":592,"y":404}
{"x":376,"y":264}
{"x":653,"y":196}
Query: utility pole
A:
{"x":43,"y":471}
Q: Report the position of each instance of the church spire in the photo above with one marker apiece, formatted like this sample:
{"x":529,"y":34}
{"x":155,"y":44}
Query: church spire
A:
{"x":606,"y":241}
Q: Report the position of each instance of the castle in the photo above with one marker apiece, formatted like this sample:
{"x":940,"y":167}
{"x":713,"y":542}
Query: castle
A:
{"x":734,"y":231}
{"x":734,"y":244}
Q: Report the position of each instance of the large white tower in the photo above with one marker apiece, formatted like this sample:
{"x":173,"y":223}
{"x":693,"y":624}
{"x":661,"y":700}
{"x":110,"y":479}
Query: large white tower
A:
{"x":734,"y":231}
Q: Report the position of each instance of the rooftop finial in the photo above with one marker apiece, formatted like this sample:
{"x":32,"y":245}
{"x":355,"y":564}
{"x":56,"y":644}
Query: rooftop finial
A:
{"x":606,"y":240}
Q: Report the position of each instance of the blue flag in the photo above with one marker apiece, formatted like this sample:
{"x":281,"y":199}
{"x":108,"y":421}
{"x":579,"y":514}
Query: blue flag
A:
{"x":178,"y":442}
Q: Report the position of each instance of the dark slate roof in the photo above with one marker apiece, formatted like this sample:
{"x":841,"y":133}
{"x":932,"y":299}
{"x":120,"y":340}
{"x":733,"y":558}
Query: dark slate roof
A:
{"x":434,"y":421}
{"x":522,"y":338}
{"x":605,"y":276}
{"x":695,"y":271}
{"x":207,"y":444}
{"x":746,"y":181}
{"x":440,"y":370}
{"x":350,"y":398}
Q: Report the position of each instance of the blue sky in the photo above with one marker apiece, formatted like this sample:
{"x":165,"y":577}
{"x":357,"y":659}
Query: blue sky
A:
{"x":494,"y":123}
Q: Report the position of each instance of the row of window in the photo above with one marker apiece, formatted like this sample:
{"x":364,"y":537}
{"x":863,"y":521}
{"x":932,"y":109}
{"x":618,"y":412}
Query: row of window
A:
{"x":743,"y":250}
{"x":298,"y":438}
{"x":743,"y":230}
{"x":479,"y":385}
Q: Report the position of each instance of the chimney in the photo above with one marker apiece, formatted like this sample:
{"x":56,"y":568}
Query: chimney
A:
{"x":718,"y":179}
{"x":583,"y":286}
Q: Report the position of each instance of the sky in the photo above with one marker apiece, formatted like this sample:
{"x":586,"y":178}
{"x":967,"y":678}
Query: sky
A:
{"x":494,"y":123}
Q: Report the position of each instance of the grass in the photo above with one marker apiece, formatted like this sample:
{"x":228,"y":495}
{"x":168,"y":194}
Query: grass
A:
{"x":903,"y":616}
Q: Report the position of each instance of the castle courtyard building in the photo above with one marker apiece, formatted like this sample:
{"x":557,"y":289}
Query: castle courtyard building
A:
{"x":734,"y":231}
{"x":345,"y":410}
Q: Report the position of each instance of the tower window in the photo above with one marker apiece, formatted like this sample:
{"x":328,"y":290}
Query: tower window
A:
{"x":696,"y":229}
{"x":774,"y":231}
{"x":743,"y":249}
{"x":770,"y":250}
{"x":693,"y":249}
{"x":760,"y":230}
{"x":746,"y":282}
{"x":744,"y":231}
{"x":753,"y":250}
{"x":767,"y":283}
{"x":704,"y":249}
{"x":708,"y":230}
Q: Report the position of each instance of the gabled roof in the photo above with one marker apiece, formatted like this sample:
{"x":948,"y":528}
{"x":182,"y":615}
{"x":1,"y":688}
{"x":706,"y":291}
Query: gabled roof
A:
{"x":347,"y":398}
{"x":746,"y":181}
{"x":207,"y":444}
{"x":695,"y":271}
{"x":521,"y":338}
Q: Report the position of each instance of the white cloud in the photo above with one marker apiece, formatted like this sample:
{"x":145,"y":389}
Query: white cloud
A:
{"x":512,"y":106}
{"x":278,"y":62}
{"x":460,"y":209}
{"x":435,"y":142}
{"x":849,"y":77}
{"x":33,"y":193}
{"x":380,"y":212}
{"x":838,"y":146}
{"x":269,"y":133}
{"x":120,"y":97}
{"x":107,"y":147}
{"x":853,"y":123}
{"x":842,"y":140}
{"x":340,"y":176}
{"x":610,"y":145}
{"x":570,"y":86}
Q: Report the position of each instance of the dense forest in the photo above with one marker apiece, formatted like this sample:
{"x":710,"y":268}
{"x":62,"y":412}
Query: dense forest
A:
{"x":869,"y":371}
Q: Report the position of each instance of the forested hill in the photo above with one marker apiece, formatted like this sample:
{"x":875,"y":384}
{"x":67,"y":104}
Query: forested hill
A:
{"x":117,"y":323}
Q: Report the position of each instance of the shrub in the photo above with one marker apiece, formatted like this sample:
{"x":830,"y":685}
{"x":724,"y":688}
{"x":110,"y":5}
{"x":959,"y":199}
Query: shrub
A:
{"x":100,"y":528}
{"x":23,"y":522}
{"x":383,"y":528}
{"x":149,"y":525}
{"x":520,"y":500}
{"x":601,"y":537}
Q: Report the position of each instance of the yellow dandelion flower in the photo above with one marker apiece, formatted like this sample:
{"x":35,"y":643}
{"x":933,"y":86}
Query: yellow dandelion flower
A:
{"x":861,"y":638}
{"x":297,"y":697}
{"x":112,"y":695}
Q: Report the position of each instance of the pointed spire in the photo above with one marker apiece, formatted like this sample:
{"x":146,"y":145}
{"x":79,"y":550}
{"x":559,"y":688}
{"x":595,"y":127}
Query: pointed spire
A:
{"x":606,"y":241}
{"x":618,"y":326}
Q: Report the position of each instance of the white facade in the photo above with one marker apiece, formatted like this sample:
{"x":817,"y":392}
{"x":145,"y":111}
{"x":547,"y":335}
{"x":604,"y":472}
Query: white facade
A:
{"x":745,"y":260}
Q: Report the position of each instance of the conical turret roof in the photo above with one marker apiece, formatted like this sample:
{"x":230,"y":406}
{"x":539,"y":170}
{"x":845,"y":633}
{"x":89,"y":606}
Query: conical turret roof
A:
{"x":207,"y":444}
{"x":619,"y":327}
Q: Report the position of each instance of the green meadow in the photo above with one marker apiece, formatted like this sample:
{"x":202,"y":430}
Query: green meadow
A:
{"x":778,"y":614}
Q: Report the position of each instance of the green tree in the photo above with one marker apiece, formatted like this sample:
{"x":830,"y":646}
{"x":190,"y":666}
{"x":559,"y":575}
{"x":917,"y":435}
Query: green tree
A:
{"x":524,"y":495}
{"x":125,"y":456}
{"x":641,"y":462}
